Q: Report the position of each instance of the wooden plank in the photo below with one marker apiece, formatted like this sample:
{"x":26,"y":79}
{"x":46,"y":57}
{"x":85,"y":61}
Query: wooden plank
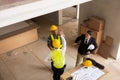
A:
{"x":17,"y":35}
{"x":19,"y":40}
{"x":69,"y":72}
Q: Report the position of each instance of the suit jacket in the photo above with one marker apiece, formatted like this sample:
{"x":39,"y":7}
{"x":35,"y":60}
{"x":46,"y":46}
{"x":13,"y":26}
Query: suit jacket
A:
{"x":83,"y":47}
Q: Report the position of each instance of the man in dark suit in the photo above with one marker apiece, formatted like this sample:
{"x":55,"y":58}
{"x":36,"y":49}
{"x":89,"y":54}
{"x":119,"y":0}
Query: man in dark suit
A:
{"x":87,"y":44}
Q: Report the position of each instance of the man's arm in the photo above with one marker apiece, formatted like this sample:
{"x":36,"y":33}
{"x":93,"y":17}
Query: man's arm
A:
{"x":62,"y":35}
{"x":78,"y":39}
{"x":49,"y":43}
{"x":63,"y":43}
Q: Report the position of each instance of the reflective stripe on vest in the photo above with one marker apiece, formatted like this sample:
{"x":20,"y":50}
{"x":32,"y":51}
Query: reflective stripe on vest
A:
{"x":52,"y":37}
{"x":58,"y":58}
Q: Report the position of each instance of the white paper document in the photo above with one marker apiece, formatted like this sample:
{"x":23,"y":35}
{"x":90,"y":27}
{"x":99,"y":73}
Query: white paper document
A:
{"x":90,"y":73}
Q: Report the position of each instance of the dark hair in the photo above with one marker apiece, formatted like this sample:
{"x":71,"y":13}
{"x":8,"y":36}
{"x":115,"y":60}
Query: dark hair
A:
{"x":90,"y":32}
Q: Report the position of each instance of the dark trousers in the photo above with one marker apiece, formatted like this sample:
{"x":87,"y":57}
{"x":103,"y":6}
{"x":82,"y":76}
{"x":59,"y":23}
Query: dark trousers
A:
{"x":57,"y":72}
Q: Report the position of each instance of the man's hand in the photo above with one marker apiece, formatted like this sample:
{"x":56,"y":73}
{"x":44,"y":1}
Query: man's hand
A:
{"x":60,"y":32}
{"x":88,"y":53}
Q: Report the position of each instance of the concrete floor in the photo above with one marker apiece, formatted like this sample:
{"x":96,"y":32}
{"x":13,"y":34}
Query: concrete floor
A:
{"x":28,"y":62}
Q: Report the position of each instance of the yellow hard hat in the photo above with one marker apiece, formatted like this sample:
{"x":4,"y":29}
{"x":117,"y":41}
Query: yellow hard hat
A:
{"x":53,"y":28}
{"x":56,"y":43}
{"x":87,"y":63}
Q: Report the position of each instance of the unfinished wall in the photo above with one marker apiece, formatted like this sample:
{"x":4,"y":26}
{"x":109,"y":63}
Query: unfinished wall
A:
{"x":110,"y":11}
{"x":55,"y":17}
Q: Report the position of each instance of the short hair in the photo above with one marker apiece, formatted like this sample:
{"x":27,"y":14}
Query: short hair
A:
{"x":90,"y":32}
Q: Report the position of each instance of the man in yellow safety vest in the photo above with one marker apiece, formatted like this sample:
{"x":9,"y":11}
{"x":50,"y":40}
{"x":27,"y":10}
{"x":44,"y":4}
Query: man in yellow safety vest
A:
{"x":54,"y":35}
{"x":58,"y":59}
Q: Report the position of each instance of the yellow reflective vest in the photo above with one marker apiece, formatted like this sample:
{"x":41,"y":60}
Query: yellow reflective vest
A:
{"x":52,"y":38}
{"x":58,"y":58}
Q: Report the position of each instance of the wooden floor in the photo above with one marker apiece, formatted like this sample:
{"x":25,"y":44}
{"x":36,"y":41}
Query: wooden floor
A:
{"x":28,"y":62}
